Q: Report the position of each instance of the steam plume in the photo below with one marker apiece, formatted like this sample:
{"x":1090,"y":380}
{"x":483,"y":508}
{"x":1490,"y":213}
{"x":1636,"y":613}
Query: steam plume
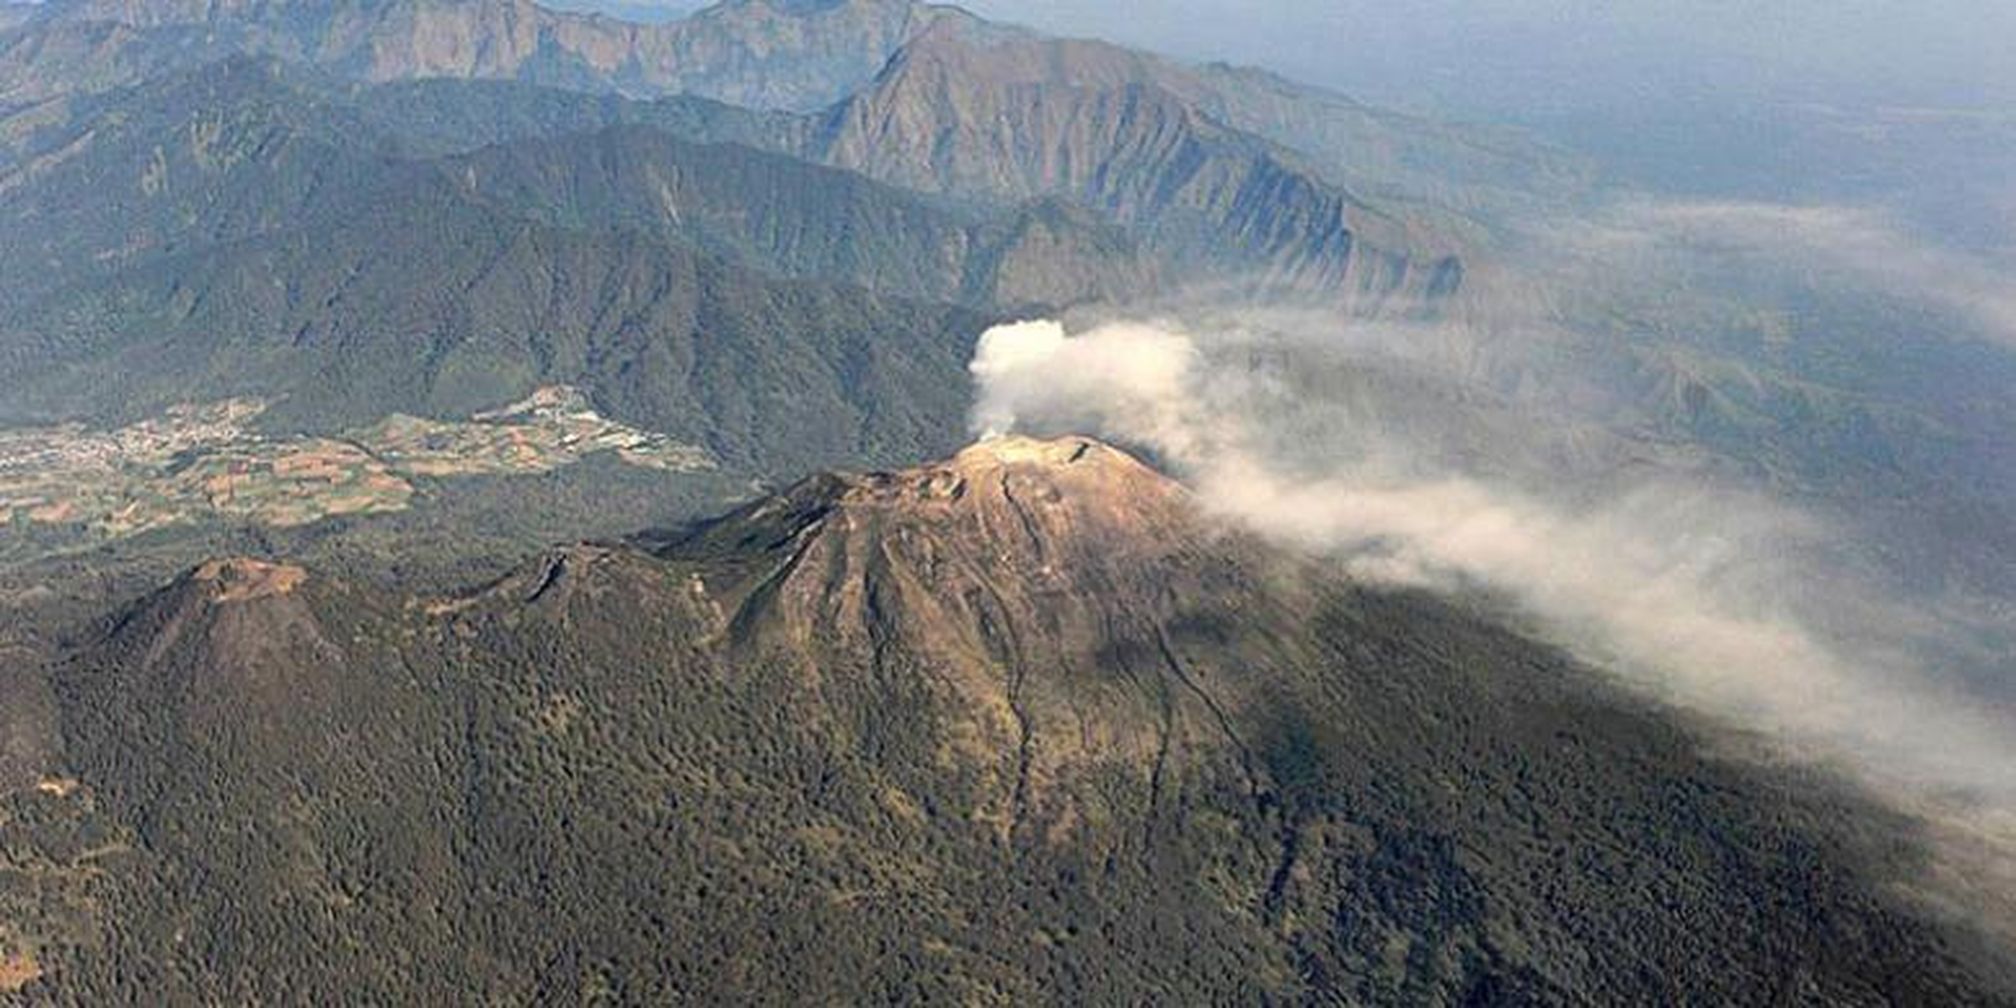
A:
{"x":1697,"y":595}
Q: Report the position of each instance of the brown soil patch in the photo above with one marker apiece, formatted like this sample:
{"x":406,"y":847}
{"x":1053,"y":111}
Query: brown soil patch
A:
{"x":18,"y":970}
{"x":241,"y":579}
{"x":61,"y":787}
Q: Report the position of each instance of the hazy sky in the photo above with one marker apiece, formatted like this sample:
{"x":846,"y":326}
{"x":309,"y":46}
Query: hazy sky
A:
{"x":1487,"y":54}
{"x":1535,"y":57}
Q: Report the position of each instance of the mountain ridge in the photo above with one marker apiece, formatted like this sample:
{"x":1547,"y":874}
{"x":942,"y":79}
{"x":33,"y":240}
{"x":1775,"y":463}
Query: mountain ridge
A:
{"x":1000,"y":119}
{"x":1229,"y":174}
{"x":807,"y":220}
{"x":757,"y":53}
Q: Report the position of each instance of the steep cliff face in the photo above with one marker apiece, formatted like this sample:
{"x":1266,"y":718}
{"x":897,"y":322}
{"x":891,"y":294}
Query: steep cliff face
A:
{"x":1000,"y":115}
{"x":759,"y":53}
{"x":1407,"y":160}
{"x":46,"y":57}
{"x":784,"y":54}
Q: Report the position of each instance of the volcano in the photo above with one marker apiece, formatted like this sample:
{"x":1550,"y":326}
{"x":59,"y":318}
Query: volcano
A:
{"x":1023,"y":725}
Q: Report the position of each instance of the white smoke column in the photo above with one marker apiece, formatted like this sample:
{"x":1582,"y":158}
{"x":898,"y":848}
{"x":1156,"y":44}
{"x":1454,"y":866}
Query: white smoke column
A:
{"x":1137,"y":375}
{"x":1676,"y":589}
{"x":1007,"y":354}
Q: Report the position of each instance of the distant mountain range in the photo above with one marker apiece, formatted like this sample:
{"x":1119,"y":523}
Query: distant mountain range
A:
{"x":1017,"y":723}
{"x":793,"y":55}
{"x":759,"y":53}
{"x":192,"y":200}
{"x":199,"y":200}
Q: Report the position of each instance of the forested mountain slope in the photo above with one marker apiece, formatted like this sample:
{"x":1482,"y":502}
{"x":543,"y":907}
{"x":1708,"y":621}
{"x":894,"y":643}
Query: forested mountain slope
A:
{"x":1060,"y":732}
